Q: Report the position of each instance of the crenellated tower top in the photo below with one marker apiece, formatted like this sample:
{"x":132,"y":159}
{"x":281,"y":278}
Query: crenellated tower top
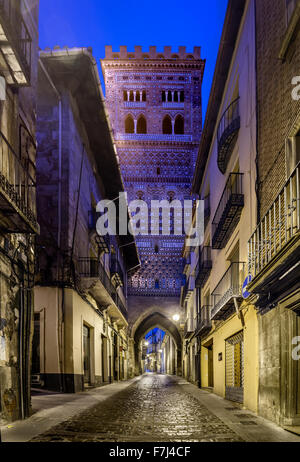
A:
{"x":152,"y":53}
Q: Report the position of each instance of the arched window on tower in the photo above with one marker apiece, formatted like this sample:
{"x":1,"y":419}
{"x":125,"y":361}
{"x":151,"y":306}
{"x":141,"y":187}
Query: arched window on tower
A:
{"x":156,"y":284}
{"x":182,"y":96}
{"x":163,"y":96}
{"x":144,"y":98}
{"x":138,"y":96}
{"x":125,"y":95}
{"x":129,"y":124}
{"x":142,"y":125}
{"x":179,"y":125}
{"x":169,"y":96}
{"x":156,"y":248}
{"x":131,"y":96}
{"x":167,"y":125}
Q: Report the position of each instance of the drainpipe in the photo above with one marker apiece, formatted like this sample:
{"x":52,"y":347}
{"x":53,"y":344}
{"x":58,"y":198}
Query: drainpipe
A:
{"x":59,"y":331}
{"x":21,"y":349}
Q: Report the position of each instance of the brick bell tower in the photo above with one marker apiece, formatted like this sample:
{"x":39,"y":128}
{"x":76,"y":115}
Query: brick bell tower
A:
{"x":155,"y":108}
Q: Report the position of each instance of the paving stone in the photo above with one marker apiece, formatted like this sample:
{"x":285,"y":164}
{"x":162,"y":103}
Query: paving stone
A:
{"x":155,"y":408}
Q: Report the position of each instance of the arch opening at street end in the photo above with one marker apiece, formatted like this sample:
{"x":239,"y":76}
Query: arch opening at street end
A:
{"x":167,"y":357}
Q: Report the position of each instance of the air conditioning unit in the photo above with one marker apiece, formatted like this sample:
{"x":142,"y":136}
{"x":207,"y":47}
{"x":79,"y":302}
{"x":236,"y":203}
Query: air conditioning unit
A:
{"x":292,"y":154}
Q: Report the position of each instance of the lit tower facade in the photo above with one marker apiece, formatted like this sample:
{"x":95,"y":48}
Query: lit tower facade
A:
{"x":155,"y":108}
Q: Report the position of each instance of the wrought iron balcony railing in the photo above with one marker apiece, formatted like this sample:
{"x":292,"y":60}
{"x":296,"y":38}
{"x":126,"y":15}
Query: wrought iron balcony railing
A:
{"x":116,"y":270}
{"x":227,"y":133}
{"x":228,"y":289}
{"x":102,"y":241}
{"x":15,"y":41}
{"x":91,"y":268}
{"x":203,"y":321}
{"x":189,"y":327}
{"x":229,"y":211}
{"x":17,"y":192}
{"x":153,"y":137}
{"x":117,"y":299}
{"x":174,"y":104}
{"x":137,"y":104}
{"x":187,"y":290}
{"x":278,"y":227}
{"x":203,"y":267}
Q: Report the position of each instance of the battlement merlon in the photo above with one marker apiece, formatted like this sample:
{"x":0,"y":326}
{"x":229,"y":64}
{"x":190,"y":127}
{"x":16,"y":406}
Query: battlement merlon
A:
{"x":167,"y":54}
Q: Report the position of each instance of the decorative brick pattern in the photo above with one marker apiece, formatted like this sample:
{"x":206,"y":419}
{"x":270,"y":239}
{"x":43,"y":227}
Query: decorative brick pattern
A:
{"x":278,"y":114}
{"x":156,"y":166}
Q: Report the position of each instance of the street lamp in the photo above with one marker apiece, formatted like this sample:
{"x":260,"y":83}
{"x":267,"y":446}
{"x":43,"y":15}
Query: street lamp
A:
{"x":146,"y":343}
{"x":176,"y":317}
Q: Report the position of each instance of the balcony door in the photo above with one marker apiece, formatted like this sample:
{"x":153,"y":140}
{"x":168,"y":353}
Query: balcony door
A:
{"x":86,"y":355}
{"x":210,"y":359}
{"x":36,"y":368}
{"x":104,"y":358}
{"x":235,"y":258}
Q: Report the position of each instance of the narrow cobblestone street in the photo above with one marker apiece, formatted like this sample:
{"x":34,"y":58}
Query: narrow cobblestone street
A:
{"x":161,"y":408}
{"x":152,"y":409}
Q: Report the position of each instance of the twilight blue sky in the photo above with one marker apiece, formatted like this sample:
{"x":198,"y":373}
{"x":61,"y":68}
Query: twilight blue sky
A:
{"x":97,"y":23}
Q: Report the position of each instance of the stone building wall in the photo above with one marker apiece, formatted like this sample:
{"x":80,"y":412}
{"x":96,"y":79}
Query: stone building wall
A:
{"x":17,"y":125}
{"x":278,"y":62}
{"x":278,"y":113}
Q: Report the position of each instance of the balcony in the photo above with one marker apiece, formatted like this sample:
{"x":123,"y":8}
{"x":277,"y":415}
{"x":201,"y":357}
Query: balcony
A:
{"x":189,"y":327}
{"x":103,"y":242}
{"x":203,"y":321}
{"x":273,"y":249}
{"x":203,"y":267}
{"x":187,"y":290}
{"x":153,"y":137}
{"x":91,"y":268}
{"x":206,"y":211}
{"x":187,"y":262}
{"x":228,"y":289}
{"x":229,"y":211}
{"x":15,"y":42}
{"x":135,"y":104}
{"x":227,"y":134}
{"x":118,"y":302}
{"x":95,"y":280}
{"x":17,"y":192}
{"x":116,"y":271}
{"x":173,"y":105}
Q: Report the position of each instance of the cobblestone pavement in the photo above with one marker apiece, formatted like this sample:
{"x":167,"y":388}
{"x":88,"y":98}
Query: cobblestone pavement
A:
{"x":156,"y":408}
